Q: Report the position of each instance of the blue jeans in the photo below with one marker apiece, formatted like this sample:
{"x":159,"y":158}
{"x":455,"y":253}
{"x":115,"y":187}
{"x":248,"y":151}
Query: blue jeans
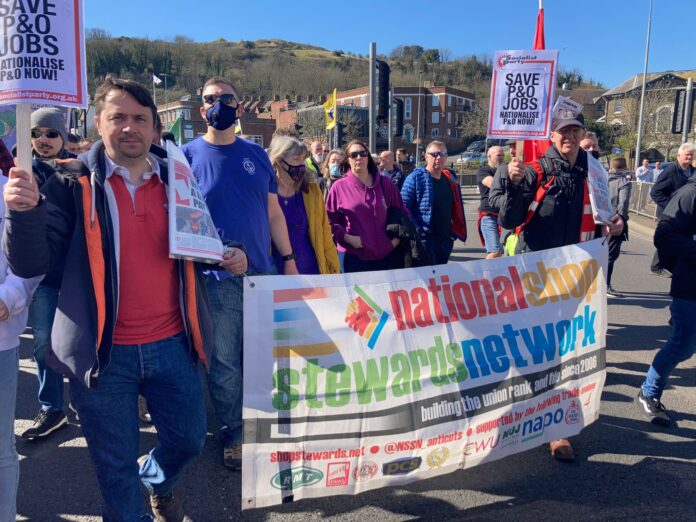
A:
{"x":678,"y":348}
{"x":225,"y":381}
{"x":165,"y":375}
{"x":225,"y":368}
{"x":439,"y":250}
{"x":41,"y":314}
{"x":491,"y":237}
{"x":9,"y":463}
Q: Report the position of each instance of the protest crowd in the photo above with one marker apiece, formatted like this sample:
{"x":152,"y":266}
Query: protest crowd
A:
{"x":85,"y":263}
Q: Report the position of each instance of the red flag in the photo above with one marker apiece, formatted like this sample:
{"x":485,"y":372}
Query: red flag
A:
{"x":539,"y":36}
{"x":535,"y":149}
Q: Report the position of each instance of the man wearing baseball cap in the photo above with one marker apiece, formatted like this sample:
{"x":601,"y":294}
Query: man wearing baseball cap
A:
{"x":563,"y":216}
{"x":48,"y":139}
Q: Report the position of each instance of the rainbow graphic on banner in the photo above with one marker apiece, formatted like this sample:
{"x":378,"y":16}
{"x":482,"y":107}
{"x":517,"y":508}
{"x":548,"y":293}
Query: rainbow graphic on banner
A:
{"x":294,"y":323}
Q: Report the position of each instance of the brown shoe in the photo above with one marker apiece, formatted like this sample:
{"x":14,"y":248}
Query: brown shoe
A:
{"x":562,"y":449}
{"x":168,"y":508}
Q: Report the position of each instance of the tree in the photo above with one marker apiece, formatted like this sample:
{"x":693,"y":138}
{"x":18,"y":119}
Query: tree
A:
{"x":353,"y":125}
{"x":474,"y":123}
{"x":313,"y":121}
{"x":657,"y":119}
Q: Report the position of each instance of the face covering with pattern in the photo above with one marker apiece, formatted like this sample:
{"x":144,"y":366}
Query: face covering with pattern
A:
{"x":296,"y":172}
{"x":221,"y":116}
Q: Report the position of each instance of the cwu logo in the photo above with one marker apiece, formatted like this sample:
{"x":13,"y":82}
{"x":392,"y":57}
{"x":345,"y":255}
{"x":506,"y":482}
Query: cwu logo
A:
{"x":365,"y":317}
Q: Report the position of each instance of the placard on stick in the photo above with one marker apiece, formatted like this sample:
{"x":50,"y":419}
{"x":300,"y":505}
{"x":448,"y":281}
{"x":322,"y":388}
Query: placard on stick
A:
{"x":43,"y":61}
{"x":522,"y":89}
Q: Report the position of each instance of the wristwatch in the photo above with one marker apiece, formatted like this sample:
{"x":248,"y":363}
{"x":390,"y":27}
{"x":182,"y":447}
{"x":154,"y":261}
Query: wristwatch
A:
{"x":289,"y":257}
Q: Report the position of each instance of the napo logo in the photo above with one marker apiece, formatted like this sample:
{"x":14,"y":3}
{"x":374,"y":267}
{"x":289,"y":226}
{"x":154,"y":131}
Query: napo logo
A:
{"x":535,"y":427}
{"x":401,"y":466}
{"x":437,"y":457}
{"x":573,"y":414}
{"x":296,"y":478}
{"x":249,"y":166}
{"x":365,"y":471}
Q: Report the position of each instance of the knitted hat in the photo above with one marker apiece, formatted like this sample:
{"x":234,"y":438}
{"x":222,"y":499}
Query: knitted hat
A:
{"x":50,"y":118}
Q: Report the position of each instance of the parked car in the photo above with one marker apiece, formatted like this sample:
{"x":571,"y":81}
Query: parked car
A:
{"x":477,"y":146}
{"x":472,"y":159}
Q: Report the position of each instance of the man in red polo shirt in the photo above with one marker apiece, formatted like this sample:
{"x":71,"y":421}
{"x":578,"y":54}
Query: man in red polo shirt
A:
{"x":130,"y":319}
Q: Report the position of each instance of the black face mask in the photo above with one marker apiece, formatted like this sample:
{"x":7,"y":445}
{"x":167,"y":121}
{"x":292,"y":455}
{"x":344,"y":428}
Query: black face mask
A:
{"x":221,"y":116}
{"x":595,"y":154}
{"x":296,"y":172}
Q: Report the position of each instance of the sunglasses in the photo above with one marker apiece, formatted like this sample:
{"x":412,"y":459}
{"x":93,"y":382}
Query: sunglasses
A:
{"x":227,"y":99}
{"x":52,"y":134}
{"x":358,"y":154}
{"x":438,"y":154}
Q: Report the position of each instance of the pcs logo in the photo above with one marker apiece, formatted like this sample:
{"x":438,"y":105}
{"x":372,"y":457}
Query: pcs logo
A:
{"x":401,"y":466}
{"x":366,"y":317}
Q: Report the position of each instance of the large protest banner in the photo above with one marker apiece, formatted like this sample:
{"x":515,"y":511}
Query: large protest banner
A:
{"x":522,"y":90}
{"x":361,"y":381}
{"x":42,"y":53}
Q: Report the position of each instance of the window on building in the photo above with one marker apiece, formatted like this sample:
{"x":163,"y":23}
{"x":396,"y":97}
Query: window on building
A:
{"x":449,"y":118}
{"x":663,"y":119}
{"x":618,"y":106}
{"x":436,"y":117}
{"x":408,"y":133}
{"x":184,"y":114}
{"x":436,"y":100}
{"x":435,"y":132}
{"x":363,"y":100}
{"x":256,"y":139}
{"x":407,"y":109}
{"x":449,"y":100}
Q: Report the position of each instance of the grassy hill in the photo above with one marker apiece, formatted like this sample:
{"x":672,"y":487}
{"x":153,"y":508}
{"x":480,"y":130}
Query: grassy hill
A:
{"x":268,"y":67}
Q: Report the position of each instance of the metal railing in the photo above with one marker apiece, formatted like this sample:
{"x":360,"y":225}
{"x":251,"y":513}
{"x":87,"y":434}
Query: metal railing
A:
{"x":640,"y":201}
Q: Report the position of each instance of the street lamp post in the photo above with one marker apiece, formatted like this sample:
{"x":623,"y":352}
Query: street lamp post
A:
{"x":642,"y":92}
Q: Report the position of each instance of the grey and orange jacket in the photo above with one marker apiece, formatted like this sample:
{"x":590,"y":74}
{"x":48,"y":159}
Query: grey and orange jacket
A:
{"x":77,"y":221}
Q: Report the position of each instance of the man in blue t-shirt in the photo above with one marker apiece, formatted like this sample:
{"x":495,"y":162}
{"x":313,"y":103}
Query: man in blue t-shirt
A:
{"x":240,"y":189}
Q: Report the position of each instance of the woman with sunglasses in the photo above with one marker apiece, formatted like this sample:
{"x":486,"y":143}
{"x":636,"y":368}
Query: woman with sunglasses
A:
{"x":331,"y":168}
{"x":303,"y":206}
{"x":357,"y":207}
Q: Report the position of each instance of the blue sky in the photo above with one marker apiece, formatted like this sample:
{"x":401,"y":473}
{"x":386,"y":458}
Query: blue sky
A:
{"x":604,"y":39}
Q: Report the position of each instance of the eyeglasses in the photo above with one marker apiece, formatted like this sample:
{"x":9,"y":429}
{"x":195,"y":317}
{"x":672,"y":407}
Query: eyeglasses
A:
{"x":52,"y":134}
{"x":438,"y":154}
{"x":226,"y":98}
{"x":358,"y":154}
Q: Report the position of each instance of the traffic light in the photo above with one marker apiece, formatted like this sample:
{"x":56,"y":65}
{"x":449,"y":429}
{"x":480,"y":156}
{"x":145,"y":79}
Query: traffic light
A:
{"x":382,"y":90}
{"x":399,"y":120}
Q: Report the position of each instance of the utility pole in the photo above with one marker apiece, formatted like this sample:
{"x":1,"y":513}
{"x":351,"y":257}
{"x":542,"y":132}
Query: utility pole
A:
{"x":166,"y":101}
{"x":642,"y":92}
{"x":373,"y":98}
{"x":390,"y":127}
{"x":688,"y":110}
{"x":418,"y":118}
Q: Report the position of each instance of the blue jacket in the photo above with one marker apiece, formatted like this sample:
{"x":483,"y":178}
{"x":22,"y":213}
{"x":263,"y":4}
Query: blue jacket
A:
{"x":417,"y":194}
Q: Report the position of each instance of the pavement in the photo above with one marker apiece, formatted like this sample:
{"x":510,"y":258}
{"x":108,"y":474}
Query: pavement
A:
{"x":627,"y":469}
